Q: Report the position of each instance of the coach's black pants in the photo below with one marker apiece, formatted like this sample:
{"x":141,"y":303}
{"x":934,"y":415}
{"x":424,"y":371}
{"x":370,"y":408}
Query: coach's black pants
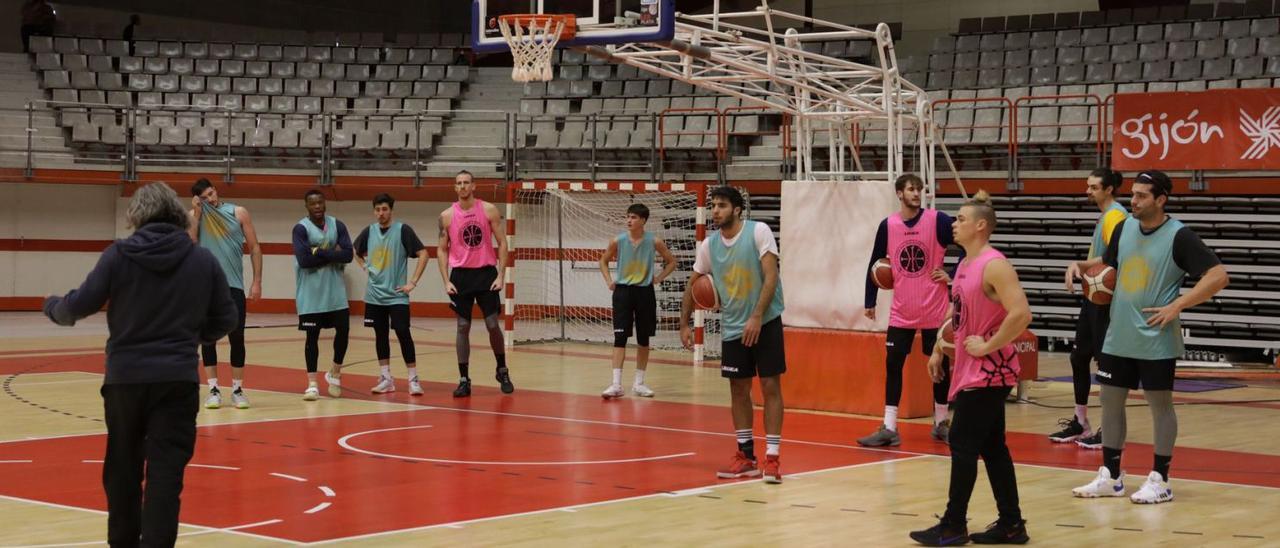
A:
{"x":977,"y":429}
{"x":151,"y":427}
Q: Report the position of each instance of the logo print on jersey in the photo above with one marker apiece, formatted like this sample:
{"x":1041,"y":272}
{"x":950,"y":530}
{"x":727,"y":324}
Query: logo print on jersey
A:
{"x":911,"y":259}
{"x":1134,"y":274}
{"x":957,"y":319}
{"x":472,"y":235}
{"x":380,"y":259}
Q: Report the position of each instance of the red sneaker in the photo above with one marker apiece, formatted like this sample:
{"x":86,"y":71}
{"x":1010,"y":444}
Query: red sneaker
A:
{"x":739,"y":467}
{"x":772,"y":470}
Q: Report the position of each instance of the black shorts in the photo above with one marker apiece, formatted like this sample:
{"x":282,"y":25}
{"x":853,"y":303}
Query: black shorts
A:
{"x":768,"y":358}
{"x":378,"y":316}
{"x":635,"y":306}
{"x":1133,"y":373}
{"x":325,"y":320}
{"x":903,"y":338}
{"x":1091,"y":328}
{"x":473,"y":287}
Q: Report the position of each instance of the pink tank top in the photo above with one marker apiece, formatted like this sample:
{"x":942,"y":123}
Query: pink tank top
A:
{"x":471,"y":238}
{"x":976,"y":314}
{"x":914,"y":253}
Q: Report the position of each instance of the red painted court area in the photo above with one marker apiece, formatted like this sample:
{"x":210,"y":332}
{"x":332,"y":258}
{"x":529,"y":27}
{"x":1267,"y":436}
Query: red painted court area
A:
{"x":447,"y":461}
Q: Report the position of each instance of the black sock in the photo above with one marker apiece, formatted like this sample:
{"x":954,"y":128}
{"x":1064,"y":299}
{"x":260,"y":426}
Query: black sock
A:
{"x":464,"y":370}
{"x":748,"y":449}
{"x":501,"y":359}
{"x":1162,"y":466}
{"x":1111,"y":459}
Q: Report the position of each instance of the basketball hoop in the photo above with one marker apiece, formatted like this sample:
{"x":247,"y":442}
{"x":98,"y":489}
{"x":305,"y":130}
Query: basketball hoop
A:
{"x":532,"y":38}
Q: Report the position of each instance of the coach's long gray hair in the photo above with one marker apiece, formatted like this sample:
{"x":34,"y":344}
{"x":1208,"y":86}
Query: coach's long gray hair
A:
{"x":155,"y":203}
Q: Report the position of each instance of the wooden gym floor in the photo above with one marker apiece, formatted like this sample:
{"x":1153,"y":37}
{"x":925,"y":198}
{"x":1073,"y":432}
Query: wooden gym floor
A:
{"x":553,"y":464}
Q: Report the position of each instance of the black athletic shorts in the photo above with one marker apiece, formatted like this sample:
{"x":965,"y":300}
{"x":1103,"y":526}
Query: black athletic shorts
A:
{"x":635,"y":306}
{"x":473,"y":287}
{"x":768,"y":358}
{"x":325,"y":320}
{"x":903,"y":338}
{"x":1133,"y":373}
{"x":378,"y":316}
{"x":1091,"y":328}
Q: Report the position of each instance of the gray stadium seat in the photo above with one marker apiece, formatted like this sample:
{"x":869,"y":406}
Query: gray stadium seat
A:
{"x":424,"y":89}
{"x":1017,"y":41}
{"x":966,"y":60}
{"x":309,"y":105}
{"x":945,"y":43}
{"x":1216,"y":69}
{"x":1044,"y":57}
{"x":1070,"y":56}
{"x":433,"y":73}
{"x":368,"y":56}
{"x":217,"y":84}
{"x":1206,"y":30}
{"x":49,"y":61}
{"x":232,"y":67}
{"x":456,"y":73}
{"x":294,"y":54}
{"x":1154,"y":71}
{"x":964,"y":79}
{"x":146,"y":48}
{"x":137,"y":82}
{"x":1122,"y":34}
{"x":1269,"y":26}
{"x":1042,"y":39}
{"x":101,"y":63}
{"x":1096,"y":54}
{"x":169,"y":49}
{"x":1067,"y":38}
{"x":283,"y":69}
{"x":450,"y":90}
{"x":1189,"y":69}
{"x":343,"y":54}
{"x":74,"y":62}
{"x":84,"y":80}
{"x":319,"y":54}
{"x":232,"y":102}
{"x":1017,"y":76}
{"x":244,"y":86}
{"x":192,"y":84}
{"x":357,"y":72}
{"x":991,"y":59}
{"x":1248,"y":67}
{"x":270,"y":52}
{"x":1128,"y":72}
{"x":408,"y":73}
{"x":221,"y":51}
{"x":346,"y":88}
{"x":283,"y":104}
{"x":1093,"y":36}
{"x":1242,"y":47}
{"x":1149,"y":33}
{"x":938,"y":80}
{"x":1179,"y":51}
{"x":181,"y":66}
{"x":307,"y":70}
{"x":1124,"y":53}
{"x":990,"y":78}
{"x":207,"y":67}
{"x":384,"y":73}
{"x":941,"y":61}
{"x":246,"y":52}
{"x":270,"y":86}
{"x":1235,"y":28}
{"x":1211,"y":49}
{"x":375,"y":89}
{"x":155,"y":65}
{"x":1154,"y":51}
{"x":1071,"y":74}
{"x":989,"y":42}
{"x":399,"y":89}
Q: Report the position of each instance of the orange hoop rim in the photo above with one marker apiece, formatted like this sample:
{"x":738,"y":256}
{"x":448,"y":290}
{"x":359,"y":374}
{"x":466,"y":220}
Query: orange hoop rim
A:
{"x":526,"y":19}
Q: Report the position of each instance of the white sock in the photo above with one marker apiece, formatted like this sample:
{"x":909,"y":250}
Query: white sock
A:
{"x":213,"y":382}
{"x":639,"y":376}
{"x":235,"y":384}
{"x":939,"y":413}
{"x":386,"y":370}
{"x":891,"y":417}
{"x":771,"y":443}
{"x":311,"y":384}
{"x":617,"y":376}
{"x":413,"y":373}
{"x":1082,"y":416}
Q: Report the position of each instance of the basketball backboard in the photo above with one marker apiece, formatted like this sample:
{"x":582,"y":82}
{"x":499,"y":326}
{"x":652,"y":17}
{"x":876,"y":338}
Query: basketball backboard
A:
{"x":599,"y":22}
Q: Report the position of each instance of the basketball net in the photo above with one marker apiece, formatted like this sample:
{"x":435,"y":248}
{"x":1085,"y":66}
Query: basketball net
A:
{"x":532,"y":39}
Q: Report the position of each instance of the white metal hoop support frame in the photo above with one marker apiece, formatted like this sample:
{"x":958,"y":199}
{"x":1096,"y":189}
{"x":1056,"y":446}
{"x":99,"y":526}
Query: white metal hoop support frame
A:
{"x":533,"y":38}
{"x":747,"y":55}
{"x":700,"y":234}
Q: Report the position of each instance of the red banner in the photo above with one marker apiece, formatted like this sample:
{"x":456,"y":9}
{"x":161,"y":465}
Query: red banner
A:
{"x":1203,"y":130}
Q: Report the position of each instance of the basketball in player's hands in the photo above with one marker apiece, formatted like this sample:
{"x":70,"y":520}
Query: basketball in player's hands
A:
{"x":704,"y":294}
{"x":1099,"y":283}
{"x":947,"y":340}
{"x":882,"y":274}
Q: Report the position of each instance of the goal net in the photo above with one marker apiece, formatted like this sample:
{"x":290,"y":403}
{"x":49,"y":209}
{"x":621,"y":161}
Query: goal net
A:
{"x":562,"y":230}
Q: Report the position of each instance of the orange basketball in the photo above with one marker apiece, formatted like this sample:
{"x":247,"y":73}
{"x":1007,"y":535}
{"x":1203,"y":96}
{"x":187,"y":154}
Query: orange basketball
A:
{"x":704,"y":294}
{"x":1099,"y":284}
{"x":882,"y":274}
{"x":947,"y":340}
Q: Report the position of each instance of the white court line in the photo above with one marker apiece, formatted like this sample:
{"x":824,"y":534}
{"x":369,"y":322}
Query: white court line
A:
{"x":15,"y":461}
{"x":576,"y":507}
{"x":318,"y":507}
{"x":90,"y":461}
{"x":215,"y":467}
{"x":237,"y":530}
{"x":288,"y":477}
{"x":25,"y":384}
{"x":345,"y":443}
{"x":188,"y":534}
{"x":327,"y":491}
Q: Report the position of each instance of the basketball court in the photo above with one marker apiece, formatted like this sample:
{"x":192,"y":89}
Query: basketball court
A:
{"x":554,"y":464}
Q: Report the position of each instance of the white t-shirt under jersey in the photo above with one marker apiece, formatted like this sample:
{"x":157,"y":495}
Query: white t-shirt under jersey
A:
{"x":764,"y":244}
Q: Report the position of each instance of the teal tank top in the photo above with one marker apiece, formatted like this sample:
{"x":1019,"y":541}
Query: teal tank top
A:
{"x":220,"y":232}
{"x":320,"y":289}
{"x":635,"y":263}
{"x":1097,"y":247}
{"x":1147,"y":278}
{"x":388,"y":266}
{"x":738,"y":279}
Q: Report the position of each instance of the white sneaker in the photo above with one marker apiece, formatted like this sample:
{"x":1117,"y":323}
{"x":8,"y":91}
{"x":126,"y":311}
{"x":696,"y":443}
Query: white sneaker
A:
{"x":1101,"y":486}
{"x":311,"y":393}
{"x":641,"y":390}
{"x":335,"y":384}
{"x":385,"y":385}
{"x":415,"y":389}
{"x":215,"y":399}
{"x":1153,"y":491}
{"x":613,"y":391}
{"x":239,"y":399}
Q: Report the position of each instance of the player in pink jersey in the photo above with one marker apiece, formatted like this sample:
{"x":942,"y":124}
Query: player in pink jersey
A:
{"x":988,"y":311}
{"x":470,"y":270}
{"x":915,"y":240}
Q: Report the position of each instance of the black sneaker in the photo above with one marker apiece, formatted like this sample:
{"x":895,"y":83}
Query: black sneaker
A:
{"x":463,"y":390}
{"x":1091,"y":442}
{"x":998,"y":533}
{"x":504,"y":380}
{"x":1071,"y":431}
{"x":942,"y":534}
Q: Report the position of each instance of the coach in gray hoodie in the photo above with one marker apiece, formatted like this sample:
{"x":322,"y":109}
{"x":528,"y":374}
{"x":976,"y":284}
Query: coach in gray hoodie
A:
{"x":167,"y":296}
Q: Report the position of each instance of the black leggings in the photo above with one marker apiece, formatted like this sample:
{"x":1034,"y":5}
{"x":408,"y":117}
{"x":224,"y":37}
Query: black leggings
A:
{"x":312,"y":348}
{"x":382,"y":343}
{"x":898,"y":345}
{"x":977,"y":429}
{"x":236,"y":337}
{"x":1091,"y":330}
